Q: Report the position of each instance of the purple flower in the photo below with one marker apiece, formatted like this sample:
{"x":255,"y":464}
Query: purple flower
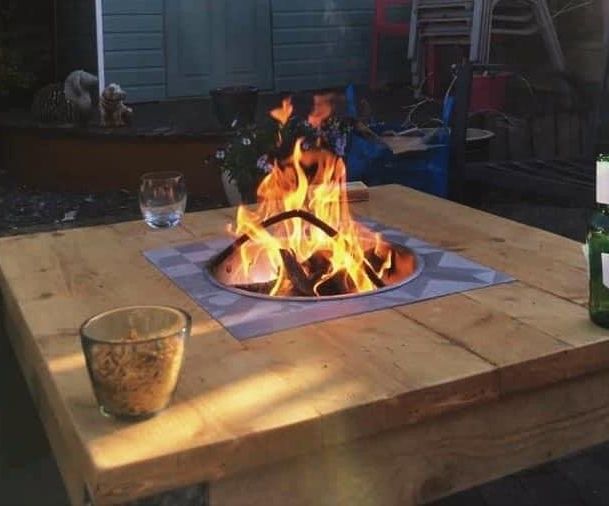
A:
{"x":262,"y":162}
{"x":264,"y":165}
{"x":340,"y":145}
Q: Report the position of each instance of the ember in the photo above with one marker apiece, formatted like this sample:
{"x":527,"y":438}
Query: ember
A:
{"x":301,"y":240}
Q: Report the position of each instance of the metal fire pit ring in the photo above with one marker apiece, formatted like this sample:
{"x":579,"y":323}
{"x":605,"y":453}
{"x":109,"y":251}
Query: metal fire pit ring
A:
{"x":213,"y":264}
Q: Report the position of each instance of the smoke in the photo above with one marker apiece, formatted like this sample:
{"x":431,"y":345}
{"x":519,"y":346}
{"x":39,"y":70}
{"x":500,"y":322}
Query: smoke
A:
{"x":334,"y":17}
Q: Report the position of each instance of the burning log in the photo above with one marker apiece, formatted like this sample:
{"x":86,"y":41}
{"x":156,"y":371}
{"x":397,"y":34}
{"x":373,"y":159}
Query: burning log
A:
{"x":303,"y":215}
{"x":262,"y":288}
{"x":303,"y":278}
{"x":296,"y":274}
{"x":375,"y":261}
{"x":338,"y":284}
{"x":274,"y":220}
{"x":317,"y":265}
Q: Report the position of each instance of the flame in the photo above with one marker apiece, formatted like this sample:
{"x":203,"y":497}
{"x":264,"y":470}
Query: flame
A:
{"x":282,"y":114}
{"x":311,"y":180}
{"x":322,"y":109}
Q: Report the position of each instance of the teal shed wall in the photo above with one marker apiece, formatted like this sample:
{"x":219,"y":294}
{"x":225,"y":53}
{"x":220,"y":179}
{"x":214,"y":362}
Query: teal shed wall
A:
{"x":315,"y":43}
{"x":324,"y":43}
{"x":134,"y":47}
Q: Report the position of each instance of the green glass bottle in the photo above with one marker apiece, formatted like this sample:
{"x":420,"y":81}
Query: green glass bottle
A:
{"x":598,"y":247}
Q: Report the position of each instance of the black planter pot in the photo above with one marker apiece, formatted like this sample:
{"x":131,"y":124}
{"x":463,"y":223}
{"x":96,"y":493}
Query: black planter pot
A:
{"x":235,"y":106}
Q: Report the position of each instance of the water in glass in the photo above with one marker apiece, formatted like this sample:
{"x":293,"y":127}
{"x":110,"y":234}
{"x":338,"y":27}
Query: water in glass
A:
{"x":163,"y":198}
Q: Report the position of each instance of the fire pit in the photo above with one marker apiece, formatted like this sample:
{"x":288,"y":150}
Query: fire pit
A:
{"x":301,"y":241}
{"x":293,"y":259}
{"x":315,"y":278}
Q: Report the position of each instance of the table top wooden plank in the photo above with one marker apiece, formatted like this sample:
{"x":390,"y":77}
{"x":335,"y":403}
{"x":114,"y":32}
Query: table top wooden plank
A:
{"x":542,"y":310}
{"x":371,"y":359}
{"x":535,"y":257}
{"x":526,"y":356}
{"x":491,"y":334}
{"x":242,"y":405}
{"x":543,"y":272}
{"x":467,"y":222}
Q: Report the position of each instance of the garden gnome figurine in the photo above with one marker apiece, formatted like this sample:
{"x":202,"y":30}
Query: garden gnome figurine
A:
{"x":113,"y":112}
{"x":69,"y":102}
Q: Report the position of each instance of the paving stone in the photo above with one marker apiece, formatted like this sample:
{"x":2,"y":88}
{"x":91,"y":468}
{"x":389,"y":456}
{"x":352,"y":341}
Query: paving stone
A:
{"x":471,"y":497}
{"x":546,"y":485}
{"x":506,"y":492}
{"x":590,"y":477}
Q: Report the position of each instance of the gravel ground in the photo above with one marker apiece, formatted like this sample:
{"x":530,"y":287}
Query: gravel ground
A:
{"x":25,"y":210}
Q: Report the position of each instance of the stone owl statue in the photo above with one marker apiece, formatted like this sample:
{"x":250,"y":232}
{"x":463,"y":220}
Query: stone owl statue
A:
{"x":113,"y":112}
{"x":70,"y":102}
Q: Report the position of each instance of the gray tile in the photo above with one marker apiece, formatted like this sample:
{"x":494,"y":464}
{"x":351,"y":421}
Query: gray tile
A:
{"x":246,"y":316}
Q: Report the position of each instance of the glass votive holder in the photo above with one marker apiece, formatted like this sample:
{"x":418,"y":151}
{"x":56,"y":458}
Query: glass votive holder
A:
{"x":162,"y":198}
{"x":134,"y":356}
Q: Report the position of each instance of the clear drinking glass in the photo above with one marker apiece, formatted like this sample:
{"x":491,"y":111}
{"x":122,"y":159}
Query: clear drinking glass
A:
{"x":134,"y":356}
{"x":163,"y":198}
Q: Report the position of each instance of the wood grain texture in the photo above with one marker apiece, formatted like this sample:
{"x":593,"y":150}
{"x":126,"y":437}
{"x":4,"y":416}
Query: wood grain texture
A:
{"x":131,"y":41}
{"x":424,"y":462}
{"x":241,"y":407}
{"x":132,"y":7}
{"x":134,"y":48}
{"x":142,"y":23}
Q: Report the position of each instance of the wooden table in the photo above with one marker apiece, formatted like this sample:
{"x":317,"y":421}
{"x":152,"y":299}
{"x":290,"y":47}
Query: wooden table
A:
{"x":393,"y":407}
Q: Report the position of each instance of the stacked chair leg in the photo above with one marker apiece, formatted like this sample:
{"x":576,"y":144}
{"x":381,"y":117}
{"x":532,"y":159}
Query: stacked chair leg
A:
{"x":472,"y":23}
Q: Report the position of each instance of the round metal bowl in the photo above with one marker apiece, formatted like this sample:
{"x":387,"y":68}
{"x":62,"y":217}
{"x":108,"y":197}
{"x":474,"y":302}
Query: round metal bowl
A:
{"x":216,"y":272}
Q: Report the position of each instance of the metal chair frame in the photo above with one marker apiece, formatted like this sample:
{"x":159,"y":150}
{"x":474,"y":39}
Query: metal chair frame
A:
{"x":572,"y":180}
{"x":471,"y":22}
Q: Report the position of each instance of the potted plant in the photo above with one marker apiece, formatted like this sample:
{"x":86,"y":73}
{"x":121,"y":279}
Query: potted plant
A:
{"x":253,"y":150}
{"x":242,"y":162}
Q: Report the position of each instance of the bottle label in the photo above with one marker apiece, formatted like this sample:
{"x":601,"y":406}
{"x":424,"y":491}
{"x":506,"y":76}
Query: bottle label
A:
{"x":602,"y":182}
{"x":605,"y":265}
{"x":586,"y":252}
